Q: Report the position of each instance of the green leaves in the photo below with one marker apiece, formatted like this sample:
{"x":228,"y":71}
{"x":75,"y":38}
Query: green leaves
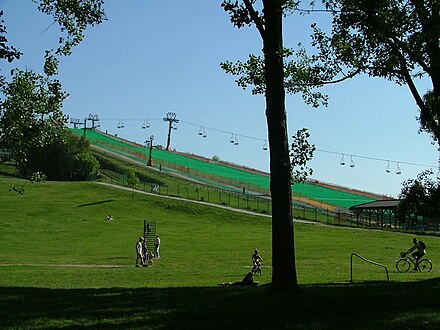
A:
{"x":31,"y":115}
{"x":301,"y":153}
{"x":7,"y":52}
{"x":238,"y":13}
{"x":394,"y":39}
{"x":73,"y":17}
{"x":250,"y":73}
{"x":419,"y":197}
{"x":301,"y":75}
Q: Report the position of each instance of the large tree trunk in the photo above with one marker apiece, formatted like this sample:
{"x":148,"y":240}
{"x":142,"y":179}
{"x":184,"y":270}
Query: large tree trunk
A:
{"x":283,"y":251}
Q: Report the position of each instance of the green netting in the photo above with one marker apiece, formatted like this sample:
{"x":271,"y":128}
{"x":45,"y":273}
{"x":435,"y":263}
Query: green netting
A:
{"x":219,"y":172}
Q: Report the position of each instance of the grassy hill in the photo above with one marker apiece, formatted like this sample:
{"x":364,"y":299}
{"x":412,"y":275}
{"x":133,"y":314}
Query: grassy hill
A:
{"x":314,"y":193}
{"x":64,"y":266}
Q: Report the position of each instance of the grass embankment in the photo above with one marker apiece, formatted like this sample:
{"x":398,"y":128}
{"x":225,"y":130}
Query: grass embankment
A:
{"x":54,"y":225}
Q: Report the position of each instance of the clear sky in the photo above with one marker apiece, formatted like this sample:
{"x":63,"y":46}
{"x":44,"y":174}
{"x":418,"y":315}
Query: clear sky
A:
{"x":153,"y":57}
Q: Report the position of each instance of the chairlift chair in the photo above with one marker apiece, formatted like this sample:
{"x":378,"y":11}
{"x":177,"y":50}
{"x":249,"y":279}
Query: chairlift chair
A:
{"x":342,"y":161}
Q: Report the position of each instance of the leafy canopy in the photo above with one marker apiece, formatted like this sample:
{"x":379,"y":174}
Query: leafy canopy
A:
{"x":394,"y":39}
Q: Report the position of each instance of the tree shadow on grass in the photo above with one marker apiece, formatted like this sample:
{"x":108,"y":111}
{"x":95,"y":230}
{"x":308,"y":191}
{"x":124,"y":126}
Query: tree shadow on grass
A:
{"x":360,"y":306}
{"x":97,"y":203}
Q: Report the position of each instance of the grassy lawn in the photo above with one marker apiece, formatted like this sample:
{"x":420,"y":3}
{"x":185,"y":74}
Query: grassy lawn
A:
{"x":56,"y":225}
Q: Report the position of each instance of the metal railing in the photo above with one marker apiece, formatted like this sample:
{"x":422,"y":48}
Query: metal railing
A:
{"x":368,"y":261}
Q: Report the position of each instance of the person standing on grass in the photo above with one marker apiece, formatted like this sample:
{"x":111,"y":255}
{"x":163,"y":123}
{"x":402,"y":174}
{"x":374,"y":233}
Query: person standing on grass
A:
{"x":157,"y":246}
{"x":420,"y":247}
{"x":139,"y":252}
{"x":144,"y":251}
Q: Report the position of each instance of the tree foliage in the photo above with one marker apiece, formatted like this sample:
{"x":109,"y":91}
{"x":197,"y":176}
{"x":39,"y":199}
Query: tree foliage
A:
{"x":301,"y":153}
{"x":132,"y":179}
{"x":67,"y":159}
{"x":7,"y":52}
{"x":33,"y":128}
{"x":73,"y":17}
{"x":32,"y":124}
{"x":393,"y":39}
{"x":419,"y":197}
{"x":31,"y":115}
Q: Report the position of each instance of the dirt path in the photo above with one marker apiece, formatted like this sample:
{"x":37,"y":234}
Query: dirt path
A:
{"x":200,"y":202}
{"x":64,"y":265}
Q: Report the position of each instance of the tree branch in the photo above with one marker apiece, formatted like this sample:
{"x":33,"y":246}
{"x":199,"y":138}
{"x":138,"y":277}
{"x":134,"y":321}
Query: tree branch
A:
{"x":259,"y":23}
{"x":409,"y":81}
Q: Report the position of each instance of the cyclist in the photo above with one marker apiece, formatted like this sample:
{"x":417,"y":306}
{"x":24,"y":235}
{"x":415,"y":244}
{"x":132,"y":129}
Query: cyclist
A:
{"x":420,"y":247}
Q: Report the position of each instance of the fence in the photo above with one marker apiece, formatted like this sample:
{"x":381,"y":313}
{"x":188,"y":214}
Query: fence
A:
{"x":263,"y":204}
{"x":219,"y":174}
{"x":256,"y":203}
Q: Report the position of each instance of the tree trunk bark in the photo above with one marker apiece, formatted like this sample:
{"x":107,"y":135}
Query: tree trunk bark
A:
{"x":283,"y":250}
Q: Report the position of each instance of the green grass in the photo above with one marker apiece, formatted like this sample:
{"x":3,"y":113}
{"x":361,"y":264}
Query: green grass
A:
{"x":221,"y":173}
{"x":55,"y":224}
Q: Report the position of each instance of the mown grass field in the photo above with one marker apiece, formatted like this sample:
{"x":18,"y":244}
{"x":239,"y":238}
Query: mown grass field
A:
{"x":55,"y":240}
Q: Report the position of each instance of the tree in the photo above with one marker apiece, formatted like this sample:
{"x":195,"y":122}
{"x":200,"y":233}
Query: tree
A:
{"x":271,"y":76}
{"x":419,"y":197}
{"x":393,"y":39}
{"x":31,"y":113}
{"x":67,"y":159}
{"x":31,"y":119}
{"x":132,"y":179}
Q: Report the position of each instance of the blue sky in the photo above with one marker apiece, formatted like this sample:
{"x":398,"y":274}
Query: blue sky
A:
{"x":154,"y":57}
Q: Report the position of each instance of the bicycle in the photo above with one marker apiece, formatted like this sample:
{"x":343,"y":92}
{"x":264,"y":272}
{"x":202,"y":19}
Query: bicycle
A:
{"x":404,"y":264}
{"x":256,"y":268}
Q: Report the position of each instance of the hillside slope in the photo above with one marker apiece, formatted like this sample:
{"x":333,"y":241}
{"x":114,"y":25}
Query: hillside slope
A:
{"x":314,"y":193}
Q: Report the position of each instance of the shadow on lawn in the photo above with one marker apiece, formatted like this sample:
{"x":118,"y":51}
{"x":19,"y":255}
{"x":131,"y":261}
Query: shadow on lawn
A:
{"x":362,"y":306}
{"x":97,"y":203}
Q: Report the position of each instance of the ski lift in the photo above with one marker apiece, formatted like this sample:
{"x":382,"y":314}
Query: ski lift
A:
{"x":265,"y":145}
{"x":398,"y":171}
{"x":351,"y":162}
{"x":342,"y":161}
{"x":174,"y":127}
{"x":388,"y":170}
{"x":121,"y":124}
{"x":200,"y":131}
{"x":146,"y":124}
{"x":204,"y":133}
{"x":236,"y":141}
{"x":231,"y":140}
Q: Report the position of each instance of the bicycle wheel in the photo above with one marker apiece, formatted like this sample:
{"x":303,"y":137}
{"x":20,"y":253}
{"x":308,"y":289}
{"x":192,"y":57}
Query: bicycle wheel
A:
{"x":403,"y":265}
{"x":425,"y":265}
